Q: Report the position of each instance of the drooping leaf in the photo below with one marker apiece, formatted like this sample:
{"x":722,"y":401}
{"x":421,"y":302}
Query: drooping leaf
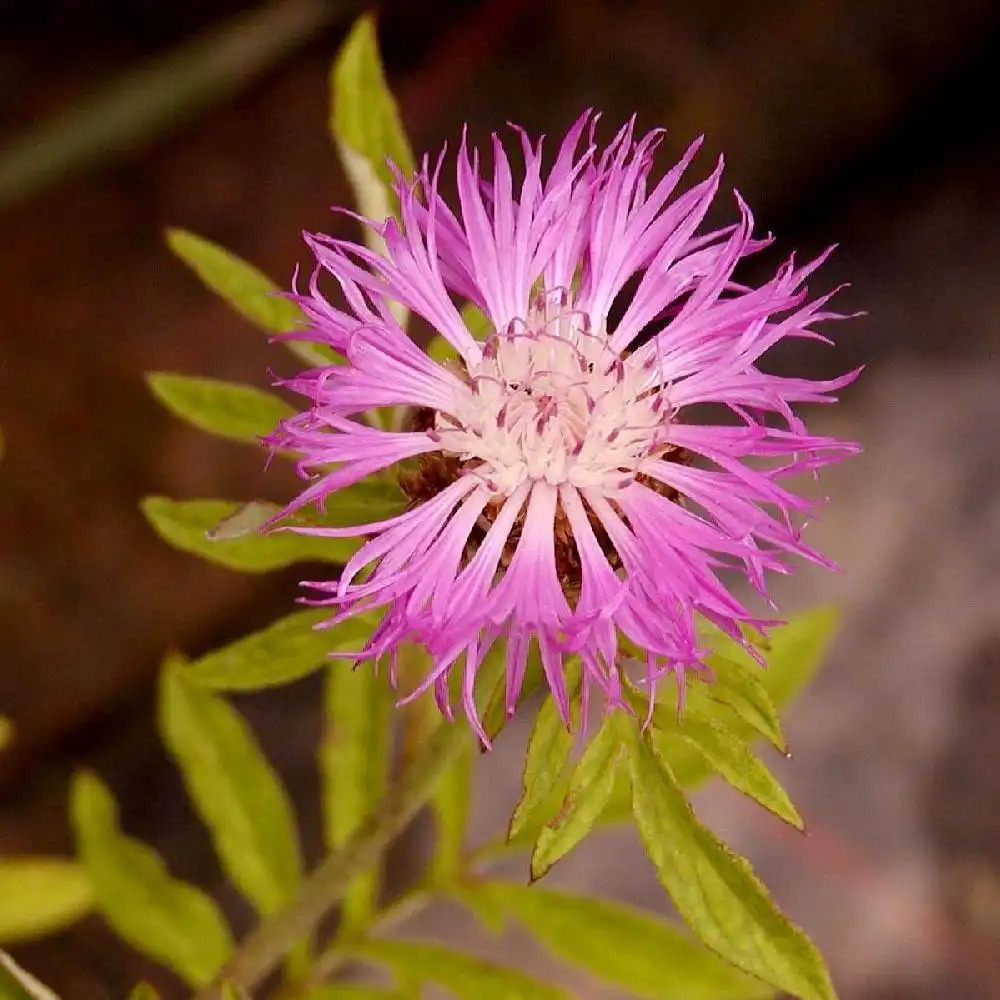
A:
{"x":354,"y":765}
{"x":40,"y":895}
{"x":364,"y":116}
{"x":169,"y":920}
{"x":284,"y":651}
{"x":234,"y":788}
{"x":623,"y":946}
{"x":412,"y":963}
{"x":227,"y":409}
{"x":589,"y":789}
{"x":450,"y":806}
{"x":715,"y":890}
{"x":549,"y":748}
{"x":730,"y":758}
{"x":190,"y":525}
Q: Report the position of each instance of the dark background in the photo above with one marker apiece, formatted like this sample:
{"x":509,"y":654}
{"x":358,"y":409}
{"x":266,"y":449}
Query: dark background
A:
{"x":866,"y":122}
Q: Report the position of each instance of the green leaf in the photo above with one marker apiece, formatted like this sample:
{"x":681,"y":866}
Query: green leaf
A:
{"x":233,"y":991}
{"x":589,"y":789}
{"x":40,"y":895}
{"x":549,"y":747}
{"x":742,"y":689}
{"x":288,"y":649}
{"x":18,"y":984}
{"x":625,"y":947}
{"x":171,"y":921}
{"x":144,"y":992}
{"x":364,"y":114}
{"x":354,"y":765}
{"x":450,"y":806}
{"x":199,"y":526}
{"x":234,"y":789}
{"x":352,"y":991}
{"x":463,"y":975}
{"x":730,"y":758}
{"x":227,"y":409}
{"x":247,"y":290}
{"x":714,"y":890}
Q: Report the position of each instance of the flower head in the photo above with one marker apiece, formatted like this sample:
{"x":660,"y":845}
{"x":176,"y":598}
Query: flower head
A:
{"x":559,"y":489}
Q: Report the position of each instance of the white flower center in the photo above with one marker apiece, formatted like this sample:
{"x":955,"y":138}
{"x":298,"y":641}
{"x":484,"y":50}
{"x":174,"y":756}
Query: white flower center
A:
{"x":550,"y":401}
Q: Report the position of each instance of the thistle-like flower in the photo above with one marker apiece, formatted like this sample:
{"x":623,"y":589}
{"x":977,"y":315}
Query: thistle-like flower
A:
{"x":561,"y":488}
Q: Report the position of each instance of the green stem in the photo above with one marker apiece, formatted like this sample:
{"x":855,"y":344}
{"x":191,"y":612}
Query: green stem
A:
{"x":260,"y":951}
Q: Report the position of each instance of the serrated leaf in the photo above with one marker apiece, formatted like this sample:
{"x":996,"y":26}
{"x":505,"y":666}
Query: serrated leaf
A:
{"x":188,"y":525}
{"x":234,"y":789}
{"x":354,"y":765}
{"x":143,"y":992}
{"x":40,"y":895}
{"x":171,"y":921}
{"x":623,"y":946}
{"x":226,"y":409}
{"x":450,"y":806}
{"x":549,"y":747}
{"x":730,"y":758}
{"x":290,"y":648}
{"x":463,"y":975}
{"x":589,"y":790}
{"x":715,"y":890}
{"x":18,"y":984}
{"x":364,"y":115}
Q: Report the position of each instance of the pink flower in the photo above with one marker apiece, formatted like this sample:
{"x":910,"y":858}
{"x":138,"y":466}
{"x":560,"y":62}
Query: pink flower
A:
{"x":559,"y":489}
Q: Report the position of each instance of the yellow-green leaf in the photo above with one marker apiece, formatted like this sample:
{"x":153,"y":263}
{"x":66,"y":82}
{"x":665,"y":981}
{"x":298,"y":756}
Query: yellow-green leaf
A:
{"x":40,"y":895}
{"x":143,"y":992}
{"x":284,"y":651}
{"x":235,"y":790}
{"x":715,"y":890}
{"x":364,"y":116}
{"x":417,"y":963}
{"x":193,"y":526}
{"x":171,"y":921}
{"x":353,"y":991}
{"x":627,"y":948}
{"x":589,"y":789}
{"x":549,"y":747}
{"x":227,"y":409}
{"x":6,"y":732}
{"x":354,"y":765}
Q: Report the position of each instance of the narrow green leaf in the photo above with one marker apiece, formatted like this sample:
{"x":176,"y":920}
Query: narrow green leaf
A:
{"x":244,"y":287}
{"x":549,"y":747}
{"x":234,"y":789}
{"x":193,"y":526}
{"x":742,"y":689}
{"x":285,"y":651}
{"x":17,"y":983}
{"x":144,"y":992}
{"x":730,"y":758}
{"x":233,"y":991}
{"x":354,"y":765}
{"x":589,"y":789}
{"x":625,"y":947}
{"x":40,"y":895}
{"x":227,"y":409}
{"x":364,"y":113}
{"x":171,"y":921}
{"x":714,"y":890}
{"x":463,"y":975}
{"x":247,"y":290}
{"x":450,"y":806}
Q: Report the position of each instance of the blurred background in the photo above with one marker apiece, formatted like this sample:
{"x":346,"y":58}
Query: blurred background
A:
{"x":870,"y":123}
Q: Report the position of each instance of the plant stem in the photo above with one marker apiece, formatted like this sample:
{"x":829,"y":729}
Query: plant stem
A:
{"x":260,"y":951}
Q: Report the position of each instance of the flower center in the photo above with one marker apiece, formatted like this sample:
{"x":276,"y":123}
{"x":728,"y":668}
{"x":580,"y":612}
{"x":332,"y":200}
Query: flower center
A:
{"x":550,"y":401}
